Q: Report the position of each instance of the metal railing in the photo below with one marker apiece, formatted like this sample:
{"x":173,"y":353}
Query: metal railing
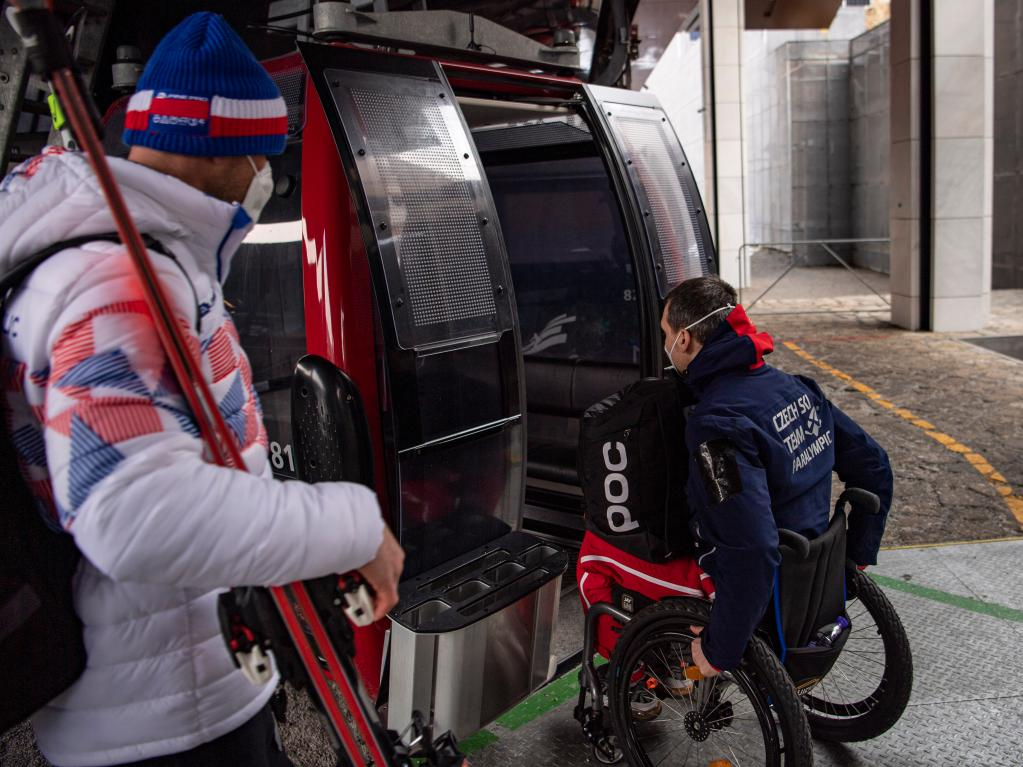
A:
{"x":793,"y":263}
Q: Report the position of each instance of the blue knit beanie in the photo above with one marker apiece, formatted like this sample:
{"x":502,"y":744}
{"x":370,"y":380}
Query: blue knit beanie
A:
{"x":203,"y":93}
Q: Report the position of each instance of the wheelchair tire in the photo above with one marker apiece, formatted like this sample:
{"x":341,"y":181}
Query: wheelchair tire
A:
{"x":753,"y":710}
{"x":873,"y":713}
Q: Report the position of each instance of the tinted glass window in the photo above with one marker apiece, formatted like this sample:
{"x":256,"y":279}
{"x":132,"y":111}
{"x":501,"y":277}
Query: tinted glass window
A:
{"x":667,"y":193}
{"x":450,"y":392}
{"x":570,"y":262}
{"x":449,"y":506}
{"x":264,"y":295}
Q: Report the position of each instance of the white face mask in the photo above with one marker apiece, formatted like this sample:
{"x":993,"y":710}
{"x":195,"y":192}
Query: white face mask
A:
{"x":669,"y":352}
{"x":260,"y":190}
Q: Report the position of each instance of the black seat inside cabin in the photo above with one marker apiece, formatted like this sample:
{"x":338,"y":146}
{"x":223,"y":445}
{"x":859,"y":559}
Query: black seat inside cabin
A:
{"x":558,"y":392}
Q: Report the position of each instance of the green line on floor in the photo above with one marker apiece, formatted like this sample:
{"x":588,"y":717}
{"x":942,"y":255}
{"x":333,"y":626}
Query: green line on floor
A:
{"x":544,"y":699}
{"x":538,"y":704}
{"x":993,"y":609}
{"x":476,"y":741}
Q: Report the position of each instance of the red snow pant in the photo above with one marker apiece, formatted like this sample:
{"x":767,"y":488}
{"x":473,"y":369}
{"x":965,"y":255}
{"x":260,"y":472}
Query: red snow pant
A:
{"x":602,"y":565}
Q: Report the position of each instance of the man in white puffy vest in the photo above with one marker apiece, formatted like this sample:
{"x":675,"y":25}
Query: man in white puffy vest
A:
{"x":108,"y":446}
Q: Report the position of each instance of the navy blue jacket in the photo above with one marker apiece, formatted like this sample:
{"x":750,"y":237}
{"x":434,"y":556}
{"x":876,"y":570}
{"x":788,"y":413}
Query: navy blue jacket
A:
{"x":762,"y":446}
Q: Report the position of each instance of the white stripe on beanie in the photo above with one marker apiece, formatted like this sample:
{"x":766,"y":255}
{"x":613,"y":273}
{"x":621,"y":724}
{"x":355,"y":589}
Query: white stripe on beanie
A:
{"x":140,"y":101}
{"x":220,"y":106}
{"x":248,"y":109}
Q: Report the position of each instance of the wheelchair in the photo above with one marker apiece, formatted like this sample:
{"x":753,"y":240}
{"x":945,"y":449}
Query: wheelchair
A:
{"x":650,"y":705}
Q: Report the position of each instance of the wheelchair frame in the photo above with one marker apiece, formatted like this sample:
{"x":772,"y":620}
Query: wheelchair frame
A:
{"x":592,"y":718}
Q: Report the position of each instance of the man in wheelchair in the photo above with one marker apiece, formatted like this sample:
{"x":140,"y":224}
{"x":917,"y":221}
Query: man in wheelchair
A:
{"x":760,"y":447}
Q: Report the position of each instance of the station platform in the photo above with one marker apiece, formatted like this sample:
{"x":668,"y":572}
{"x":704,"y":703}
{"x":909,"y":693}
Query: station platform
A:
{"x":962,"y":606}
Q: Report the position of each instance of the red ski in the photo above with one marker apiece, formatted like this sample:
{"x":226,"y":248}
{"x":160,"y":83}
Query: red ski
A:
{"x":304,"y":624}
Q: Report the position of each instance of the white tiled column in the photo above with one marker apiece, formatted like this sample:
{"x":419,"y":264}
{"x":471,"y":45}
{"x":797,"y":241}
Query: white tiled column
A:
{"x":963,"y":159}
{"x":961,"y":163}
{"x":722,"y":32}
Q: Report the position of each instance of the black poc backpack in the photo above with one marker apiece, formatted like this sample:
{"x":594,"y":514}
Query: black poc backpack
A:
{"x":41,"y":647}
{"x":633,"y":466}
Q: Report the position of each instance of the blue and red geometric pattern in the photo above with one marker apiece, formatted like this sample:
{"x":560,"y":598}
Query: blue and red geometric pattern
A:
{"x":107,"y":391}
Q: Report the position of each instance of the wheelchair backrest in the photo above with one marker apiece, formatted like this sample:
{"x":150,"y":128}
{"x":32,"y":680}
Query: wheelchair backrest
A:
{"x":809,"y":590}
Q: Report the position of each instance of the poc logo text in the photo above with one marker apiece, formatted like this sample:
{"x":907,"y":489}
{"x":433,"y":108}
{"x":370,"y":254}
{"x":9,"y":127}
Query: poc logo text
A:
{"x":616,"y":489}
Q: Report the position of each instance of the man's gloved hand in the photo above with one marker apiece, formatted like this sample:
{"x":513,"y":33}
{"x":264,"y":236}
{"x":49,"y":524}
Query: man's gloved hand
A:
{"x":383,"y":572}
{"x":699,"y":658}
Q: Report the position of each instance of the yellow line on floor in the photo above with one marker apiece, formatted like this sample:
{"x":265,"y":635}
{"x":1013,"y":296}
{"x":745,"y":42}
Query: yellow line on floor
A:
{"x":974,"y":458}
{"x":943,"y":544}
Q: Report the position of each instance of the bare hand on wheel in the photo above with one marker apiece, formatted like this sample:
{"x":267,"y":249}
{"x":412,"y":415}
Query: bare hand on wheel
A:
{"x":699,"y":658}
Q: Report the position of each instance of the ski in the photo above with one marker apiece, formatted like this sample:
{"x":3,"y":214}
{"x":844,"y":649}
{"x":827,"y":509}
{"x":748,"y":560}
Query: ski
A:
{"x":305,"y":624}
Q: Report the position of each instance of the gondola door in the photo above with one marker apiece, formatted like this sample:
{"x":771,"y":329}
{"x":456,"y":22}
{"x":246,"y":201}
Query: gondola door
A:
{"x":451,"y":377}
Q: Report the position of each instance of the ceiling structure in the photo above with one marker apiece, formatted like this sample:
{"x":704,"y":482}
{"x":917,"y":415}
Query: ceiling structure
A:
{"x":656,"y":23}
{"x":537,"y":19}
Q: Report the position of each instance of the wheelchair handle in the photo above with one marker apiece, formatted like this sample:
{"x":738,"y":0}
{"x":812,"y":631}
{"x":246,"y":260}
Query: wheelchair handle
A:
{"x":860,"y":500}
{"x":798,"y":543}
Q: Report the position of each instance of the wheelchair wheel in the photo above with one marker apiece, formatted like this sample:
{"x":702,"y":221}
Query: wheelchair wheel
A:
{"x":749,"y":716}
{"x":867,"y":689}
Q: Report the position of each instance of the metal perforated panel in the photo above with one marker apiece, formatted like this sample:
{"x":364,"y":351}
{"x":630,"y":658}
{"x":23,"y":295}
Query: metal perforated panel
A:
{"x":656,"y":169}
{"x":289,"y":73}
{"x":432,"y":214}
{"x":436,"y":227}
{"x":291,"y":84}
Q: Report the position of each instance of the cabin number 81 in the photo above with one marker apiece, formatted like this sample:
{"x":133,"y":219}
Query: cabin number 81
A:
{"x":282,"y":456}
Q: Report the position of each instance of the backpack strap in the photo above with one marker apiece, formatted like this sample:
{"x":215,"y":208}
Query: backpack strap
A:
{"x":17,"y":275}
{"x":13,"y":280}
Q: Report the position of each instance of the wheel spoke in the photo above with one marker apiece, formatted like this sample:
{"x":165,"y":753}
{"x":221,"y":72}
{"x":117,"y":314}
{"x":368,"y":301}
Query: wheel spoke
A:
{"x":728,"y":742}
{"x":830,"y":683}
{"x":863,"y":611}
{"x":679,"y":711}
{"x":852,"y":704}
{"x":863,"y":654}
{"x":743,"y":725}
{"x":674,"y":722}
{"x":732,"y":718}
{"x":861,"y":629}
{"x":676,"y":748}
{"x":667,"y":666}
{"x":735,"y":705}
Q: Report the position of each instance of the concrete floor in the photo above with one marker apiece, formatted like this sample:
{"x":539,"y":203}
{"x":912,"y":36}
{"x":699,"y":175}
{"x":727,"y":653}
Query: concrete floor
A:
{"x":808,"y":287}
